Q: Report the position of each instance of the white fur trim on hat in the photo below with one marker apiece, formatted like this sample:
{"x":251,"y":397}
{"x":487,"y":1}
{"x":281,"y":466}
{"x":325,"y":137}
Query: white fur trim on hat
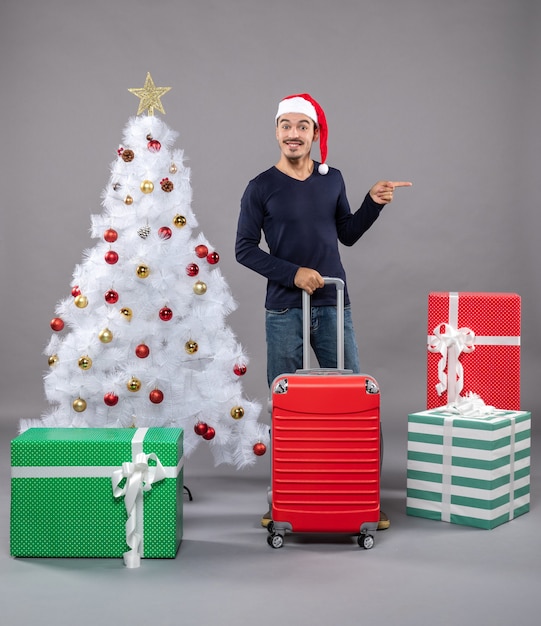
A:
{"x":297,"y":105}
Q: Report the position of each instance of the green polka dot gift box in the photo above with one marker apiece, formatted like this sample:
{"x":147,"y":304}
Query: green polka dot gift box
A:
{"x":97,"y":492}
{"x":473,"y":471}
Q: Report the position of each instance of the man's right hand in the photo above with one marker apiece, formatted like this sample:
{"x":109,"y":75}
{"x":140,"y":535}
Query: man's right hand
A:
{"x":308,"y":279}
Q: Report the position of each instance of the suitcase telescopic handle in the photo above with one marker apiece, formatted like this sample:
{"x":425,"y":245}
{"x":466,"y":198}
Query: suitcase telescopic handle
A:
{"x":306,"y":308}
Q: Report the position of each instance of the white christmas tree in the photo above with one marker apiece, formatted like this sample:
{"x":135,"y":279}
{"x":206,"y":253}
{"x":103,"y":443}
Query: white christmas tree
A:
{"x":142,"y":340}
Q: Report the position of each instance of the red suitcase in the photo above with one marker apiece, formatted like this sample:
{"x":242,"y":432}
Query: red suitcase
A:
{"x":325,"y":442}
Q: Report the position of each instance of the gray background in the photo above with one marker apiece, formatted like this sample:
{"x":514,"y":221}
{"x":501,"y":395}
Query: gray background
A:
{"x":445,"y":94}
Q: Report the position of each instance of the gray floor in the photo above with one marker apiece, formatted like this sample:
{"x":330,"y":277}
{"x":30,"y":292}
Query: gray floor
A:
{"x":419,"y":572}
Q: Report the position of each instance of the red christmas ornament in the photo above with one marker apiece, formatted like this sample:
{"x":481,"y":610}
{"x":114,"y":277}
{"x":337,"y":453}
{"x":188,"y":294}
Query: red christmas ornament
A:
{"x":142,"y":351}
{"x":165,"y":232}
{"x":76,"y":291}
{"x":200,"y":428}
{"x":213,"y":258}
{"x":110,"y":399}
{"x":259,"y":449}
{"x":201,"y":251}
{"x":111,"y":257}
{"x":192,"y":269}
{"x":110,"y":235}
{"x":240,"y":369}
{"x":57,"y":324}
{"x":209,"y":434}
{"x":154,"y":145}
{"x":111,"y":296}
{"x":166,"y":314}
{"x":156,"y":396}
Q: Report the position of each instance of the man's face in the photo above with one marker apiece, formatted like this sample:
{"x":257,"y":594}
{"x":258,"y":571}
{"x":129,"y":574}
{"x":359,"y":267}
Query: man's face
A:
{"x":295,"y":133}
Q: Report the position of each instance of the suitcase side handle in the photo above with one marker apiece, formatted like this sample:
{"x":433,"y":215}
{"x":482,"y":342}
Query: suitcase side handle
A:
{"x":340,"y":287}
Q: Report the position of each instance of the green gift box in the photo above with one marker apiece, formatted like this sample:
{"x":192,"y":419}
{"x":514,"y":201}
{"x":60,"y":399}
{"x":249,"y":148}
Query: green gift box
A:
{"x":468,"y":470}
{"x":96,"y":492}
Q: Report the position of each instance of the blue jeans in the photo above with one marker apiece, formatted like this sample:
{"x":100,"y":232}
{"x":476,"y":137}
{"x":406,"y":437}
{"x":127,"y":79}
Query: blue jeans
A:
{"x":284,"y":340}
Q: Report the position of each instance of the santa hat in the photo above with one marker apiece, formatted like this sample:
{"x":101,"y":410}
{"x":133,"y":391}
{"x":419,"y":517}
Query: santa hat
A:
{"x":304,"y":103}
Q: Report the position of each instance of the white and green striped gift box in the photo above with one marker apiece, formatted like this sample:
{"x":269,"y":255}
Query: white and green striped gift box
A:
{"x":468,"y":470}
{"x":63,"y":500}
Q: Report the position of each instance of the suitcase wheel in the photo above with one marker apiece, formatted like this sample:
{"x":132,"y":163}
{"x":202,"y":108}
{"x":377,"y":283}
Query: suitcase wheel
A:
{"x":275,"y":541}
{"x":365,"y":541}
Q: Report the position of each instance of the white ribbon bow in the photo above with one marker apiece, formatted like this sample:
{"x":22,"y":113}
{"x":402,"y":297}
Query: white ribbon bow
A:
{"x":140,"y":476}
{"x":450,"y":343}
{"x":471,"y":405}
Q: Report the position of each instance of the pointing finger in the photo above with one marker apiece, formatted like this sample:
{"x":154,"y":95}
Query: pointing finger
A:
{"x":401,"y":183}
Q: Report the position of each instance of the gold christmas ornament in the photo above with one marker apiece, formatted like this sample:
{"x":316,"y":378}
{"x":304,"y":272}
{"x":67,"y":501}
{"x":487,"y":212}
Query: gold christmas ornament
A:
{"x":173,"y":169}
{"x":81,"y":301}
{"x":200,"y":288}
{"x":128,"y":200}
{"x":143,"y":271}
{"x":105,"y":335}
{"x":237,"y":412}
{"x":53,"y":360}
{"x":147,"y":186}
{"x":126,"y":312}
{"x":179,"y":221}
{"x":79,"y":405}
{"x":85,"y":362}
{"x":191,"y":347}
{"x":134,"y":384}
{"x":150,"y":96}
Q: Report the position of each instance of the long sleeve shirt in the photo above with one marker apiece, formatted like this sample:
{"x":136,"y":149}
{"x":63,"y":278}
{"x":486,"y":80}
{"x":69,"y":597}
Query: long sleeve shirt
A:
{"x":302,"y":222}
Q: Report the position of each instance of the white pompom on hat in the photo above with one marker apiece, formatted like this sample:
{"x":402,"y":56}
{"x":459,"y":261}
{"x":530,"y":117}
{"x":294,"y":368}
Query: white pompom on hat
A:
{"x":305,"y":104}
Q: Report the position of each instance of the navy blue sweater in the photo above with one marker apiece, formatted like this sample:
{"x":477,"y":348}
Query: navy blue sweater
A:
{"x":302,"y":221}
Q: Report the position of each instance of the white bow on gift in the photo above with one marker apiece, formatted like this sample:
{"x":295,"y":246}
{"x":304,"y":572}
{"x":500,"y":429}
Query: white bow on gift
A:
{"x":140,"y":476}
{"x":471,"y":405}
{"x":450,"y":342}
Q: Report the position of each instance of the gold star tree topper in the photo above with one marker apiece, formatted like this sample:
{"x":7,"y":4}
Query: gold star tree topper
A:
{"x":150,"y":96}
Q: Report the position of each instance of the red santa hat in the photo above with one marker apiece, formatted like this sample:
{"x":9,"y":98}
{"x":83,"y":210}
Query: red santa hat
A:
{"x":304,"y":103}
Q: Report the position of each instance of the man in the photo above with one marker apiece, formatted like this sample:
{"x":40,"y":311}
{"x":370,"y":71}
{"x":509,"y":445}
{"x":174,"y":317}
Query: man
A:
{"x":302,"y":209}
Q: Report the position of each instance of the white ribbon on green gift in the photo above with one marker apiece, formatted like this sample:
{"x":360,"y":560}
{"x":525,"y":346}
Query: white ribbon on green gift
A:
{"x":451,"y":342}
{"x":139,"y":477}
{"x":472,"y":410}
{"x":447,"y":469}
{"x":512,"y":472}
